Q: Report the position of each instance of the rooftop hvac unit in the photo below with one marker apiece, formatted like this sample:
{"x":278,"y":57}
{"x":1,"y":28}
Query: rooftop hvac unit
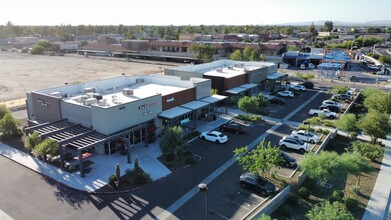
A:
{"x":90,"y":101}
{"x":88,"y":90}
{"x":97,"y":96}
{"x":90,"y":94}
{"x":141,"y":80}
{"x":127,"y":91}
{"x":219,"y":70}
{"x":102,"y":102}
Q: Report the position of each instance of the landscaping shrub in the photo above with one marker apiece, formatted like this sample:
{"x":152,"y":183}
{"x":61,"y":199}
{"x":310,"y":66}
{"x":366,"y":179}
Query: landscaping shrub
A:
{"x":355,"y":189}
{"x":304,"y":192}
{"x":353,"y":135}
{"x":187,"y":153}
{"x":190,"y":160}
{"x":325,"y":132}
{"x":351,"y":204}
{"x":329,"y":123}
{"x":252,"y":118}
{"x":169,"y":157}
{"x":112,"y":179}
{"x":140,"y":178}
{"x":191,"y":135}
{"x":337,"y":196}
{"x":287,"y":210}
{"x":136,"y":165}
{"x":293,"y":200}
{"x":319,"y":130}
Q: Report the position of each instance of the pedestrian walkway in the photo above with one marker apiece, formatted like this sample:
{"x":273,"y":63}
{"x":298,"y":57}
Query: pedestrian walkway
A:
{"x":378,"y":206}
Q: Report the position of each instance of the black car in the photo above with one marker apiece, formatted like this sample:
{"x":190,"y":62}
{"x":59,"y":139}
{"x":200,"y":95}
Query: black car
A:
{"x":257,"y":183}
{"x":307,"y":85}
{"x":233,"y":127}
{"x":276,"y":100}
{"x":287,"y":160}
{"x":332,"y":108}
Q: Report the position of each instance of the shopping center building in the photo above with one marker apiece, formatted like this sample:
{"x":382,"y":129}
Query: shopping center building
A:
{"x":111,"y":115}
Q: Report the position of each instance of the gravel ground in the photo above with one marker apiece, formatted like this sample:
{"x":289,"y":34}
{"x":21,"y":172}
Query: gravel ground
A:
{"x":21,"y":72}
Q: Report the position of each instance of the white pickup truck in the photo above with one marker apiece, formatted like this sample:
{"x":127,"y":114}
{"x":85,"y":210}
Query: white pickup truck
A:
{"x":328,"y":113}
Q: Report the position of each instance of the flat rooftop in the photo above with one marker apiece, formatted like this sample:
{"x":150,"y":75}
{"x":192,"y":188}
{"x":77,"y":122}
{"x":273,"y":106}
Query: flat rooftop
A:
{"x":121,"y":95}
{"x":110,"y":92}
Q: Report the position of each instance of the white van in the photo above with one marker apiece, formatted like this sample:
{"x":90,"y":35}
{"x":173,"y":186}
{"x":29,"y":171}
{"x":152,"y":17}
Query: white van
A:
{"x":302,"y":67}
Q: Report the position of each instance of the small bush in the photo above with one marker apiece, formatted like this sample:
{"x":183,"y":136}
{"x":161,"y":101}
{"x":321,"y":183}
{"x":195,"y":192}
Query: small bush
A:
{"x":329,"y":123}
{"x":187,"y":153}
{"x":351,"y":204}
{"x":325,"y":132}
{"x":355,"y":189}
{"x":112,"y":179}
{"x":353,"y":135}
{"x":191,"y":135}
{"x":140,"y":178}
{"x":319,"y":130}
{"x":287,"y":210}
{"x":169,"y":157}
{"x":252,"y":118}
{"x":304,"y":192}
{"x":190,"y":160}
{"x":293,"y":200}
{"x":337,"y":196}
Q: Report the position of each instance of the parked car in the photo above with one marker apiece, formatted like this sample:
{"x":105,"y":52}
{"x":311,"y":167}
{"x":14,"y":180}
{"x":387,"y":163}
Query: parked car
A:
{"x":351,"y":91}
{"x":308,"y":85}
{"x":287,"y":160}
{"x":286,"y":93}
{"x":330,"y":108}
{"x":302,"y":66}
{"x":331,"y":103}
{"x":297,"y":87}
{"x":326,"y":112}
{"x":214,"y":136}
{"x":256,"y":183}
{"x":305,"y":136}
{"x":341,"y":97}
{"x":276,"y":100}
{"x":233,"y":127}
{"x":293,"y":143}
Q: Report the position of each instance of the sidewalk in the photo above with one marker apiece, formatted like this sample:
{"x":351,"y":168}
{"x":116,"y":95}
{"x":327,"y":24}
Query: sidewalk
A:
{"x":378,"y":206}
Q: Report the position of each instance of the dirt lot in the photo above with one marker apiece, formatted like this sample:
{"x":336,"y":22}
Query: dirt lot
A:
{"x":21,"y":72}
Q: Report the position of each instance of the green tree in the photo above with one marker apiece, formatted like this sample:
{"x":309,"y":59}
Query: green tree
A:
{"x":385,"y":59}
{"x":203,"y":52}
{"x":328,"y":26}
{"x":172,"y":141}
{"x":48,"y":146}
{"x":347,"y":122}
{"x":368,"y":150}
{"x":31,"y":141}
{"x":340,"y":89}
{"x":294,"y":48}
{"x":264,"y":217}
{"x":45,"y":44}
{"x":237,"y":55}
{"x":375,"y":124}
{"x":262,"y":57}
{"x":214,"y":92}
{"x":37,"y":50}
{"x":259,"y":160}
{"x":263,"y":102}
{"x":312,"y":31}
{"x":249,"y":105}
{"x":378,"y":100}
{"x":3,"y":111}
{"x":329,"y":211}
{"x":323,"y":166}
{"x":9,"y":125}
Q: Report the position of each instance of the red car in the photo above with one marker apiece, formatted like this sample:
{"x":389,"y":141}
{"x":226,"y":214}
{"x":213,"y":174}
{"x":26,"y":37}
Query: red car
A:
{"x":233,"y":127}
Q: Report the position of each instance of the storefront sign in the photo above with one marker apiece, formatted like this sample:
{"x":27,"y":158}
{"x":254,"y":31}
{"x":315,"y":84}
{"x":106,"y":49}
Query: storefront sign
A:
{"x":141,"y":107}
{"x":43,"y":102}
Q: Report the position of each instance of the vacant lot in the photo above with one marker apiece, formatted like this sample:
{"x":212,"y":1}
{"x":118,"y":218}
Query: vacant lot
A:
{"x":21,"y":72}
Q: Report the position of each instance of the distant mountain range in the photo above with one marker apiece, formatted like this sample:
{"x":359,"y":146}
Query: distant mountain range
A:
{"x":340,"y":23}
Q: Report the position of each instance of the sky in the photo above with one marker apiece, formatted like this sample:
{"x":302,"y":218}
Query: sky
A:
{"x":197,"y":12}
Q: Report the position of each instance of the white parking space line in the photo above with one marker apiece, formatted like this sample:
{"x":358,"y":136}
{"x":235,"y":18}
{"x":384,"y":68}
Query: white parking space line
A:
{"x":214,"y":212}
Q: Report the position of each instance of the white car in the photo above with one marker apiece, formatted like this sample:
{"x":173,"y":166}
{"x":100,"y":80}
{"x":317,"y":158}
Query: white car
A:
{"x":286,"y":93}
{"x":293,"y":143}
{"x":331,"y":103}
{"x":214,"y":136}
{"x":305,"y":136}
{"x":297,"y":87}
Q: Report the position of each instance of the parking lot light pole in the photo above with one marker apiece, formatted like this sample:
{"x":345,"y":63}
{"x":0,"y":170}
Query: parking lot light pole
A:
{"x":202,"y":187}
{"x":308,"y":129}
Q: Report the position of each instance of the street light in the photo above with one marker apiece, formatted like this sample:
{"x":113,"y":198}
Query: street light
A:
{"x":202,"y":187}
{"x":308,"y":129}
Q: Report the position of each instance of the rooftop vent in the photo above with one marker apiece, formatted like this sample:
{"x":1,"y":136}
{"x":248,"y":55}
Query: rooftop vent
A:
{"x":56,"y":94}
{"x":88,"y":90}
{"x":127,"y":91}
